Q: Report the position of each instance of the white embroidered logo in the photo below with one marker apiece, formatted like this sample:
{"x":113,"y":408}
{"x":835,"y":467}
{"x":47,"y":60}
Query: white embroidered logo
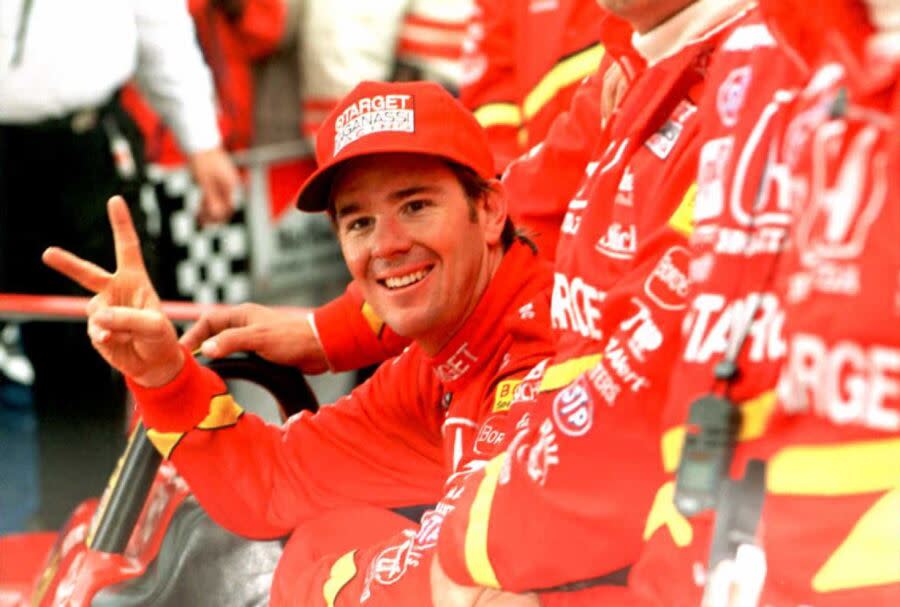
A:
{"x":376,"y":114}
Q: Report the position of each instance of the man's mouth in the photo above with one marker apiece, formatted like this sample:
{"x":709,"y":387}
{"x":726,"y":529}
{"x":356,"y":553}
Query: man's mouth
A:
{"x":405,"y":280}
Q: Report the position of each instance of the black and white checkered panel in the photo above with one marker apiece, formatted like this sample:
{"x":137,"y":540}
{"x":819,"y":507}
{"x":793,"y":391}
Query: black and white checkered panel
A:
{"x":210,"y":264}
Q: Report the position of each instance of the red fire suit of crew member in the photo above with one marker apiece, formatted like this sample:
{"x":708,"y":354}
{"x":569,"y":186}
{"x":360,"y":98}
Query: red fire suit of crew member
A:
{"x":392,"y":443}
{"x":579,"y":476}
{"x":523,"y":62}
{"x":742,"y":216}
{"x":777,"y":176}
{"x":229,"y":47}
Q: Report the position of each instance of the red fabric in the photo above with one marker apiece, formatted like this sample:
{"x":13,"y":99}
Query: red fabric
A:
{"x":393,"y":442}
{"x":511,"y":48}
{"x":585,"y":459}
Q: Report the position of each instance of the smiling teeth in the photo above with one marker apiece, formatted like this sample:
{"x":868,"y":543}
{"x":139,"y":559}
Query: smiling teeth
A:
{"x":396,"y":282}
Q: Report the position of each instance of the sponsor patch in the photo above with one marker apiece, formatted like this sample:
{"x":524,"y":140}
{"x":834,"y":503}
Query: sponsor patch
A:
{"x":667,"y":286}
{"x":489,"y":436}
{"x":376,"y":114}
{"x":503,"y":397}
{"x":543,"y":455}
{"x":732,"y":94}
{"x":663,"y":141}
{"x":619,"y":242}
{"x":573,"y":410}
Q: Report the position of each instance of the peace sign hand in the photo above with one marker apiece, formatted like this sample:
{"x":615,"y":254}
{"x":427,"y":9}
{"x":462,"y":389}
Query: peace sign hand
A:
{"x":125,"y":320}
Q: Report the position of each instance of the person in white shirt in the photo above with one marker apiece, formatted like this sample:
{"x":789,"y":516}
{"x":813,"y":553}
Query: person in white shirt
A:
{"x":66,"y":146}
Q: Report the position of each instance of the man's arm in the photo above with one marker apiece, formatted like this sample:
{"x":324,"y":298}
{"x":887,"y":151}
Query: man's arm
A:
{"x":172,"y":73}
{"x":343,"y":334}
{"x":372,"y":447}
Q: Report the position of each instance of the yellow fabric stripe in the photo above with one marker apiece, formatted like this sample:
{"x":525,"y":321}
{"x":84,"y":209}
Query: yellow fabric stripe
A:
{"x":476,"y":544}
{"x":568,"y":71}
{"x":755,"y":414}
{"x":223,"y":412}
{"x":563,"y":374}
{"x":672,"y":442}
{"x":682,"y":220}
{"x":499,"y":114}
{"x":870,"y":554}
{"x":846,"y":469}
{"x":375,"y":322}
{"x":664,"y":513}
{"x":164,"y":441}
{"x":343,"y":570}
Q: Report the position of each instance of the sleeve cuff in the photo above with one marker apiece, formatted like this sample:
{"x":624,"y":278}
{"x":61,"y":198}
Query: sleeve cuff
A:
{"x":181,"y":404}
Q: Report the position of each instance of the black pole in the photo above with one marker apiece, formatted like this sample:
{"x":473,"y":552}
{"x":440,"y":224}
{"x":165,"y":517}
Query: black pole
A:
{"x":128,"y":494}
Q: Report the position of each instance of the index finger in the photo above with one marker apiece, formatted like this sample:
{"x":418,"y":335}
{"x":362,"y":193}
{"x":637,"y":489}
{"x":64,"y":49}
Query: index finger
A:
{"x":210,"y":324}
{"x":128,"y":246}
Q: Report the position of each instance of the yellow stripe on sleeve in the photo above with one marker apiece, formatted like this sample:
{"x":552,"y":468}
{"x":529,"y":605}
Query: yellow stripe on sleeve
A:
{"x":682,"y":220}
{"x":563,"y":374}
{"x":568,"y":71}
{"x":343,"y":570}
{"x":499,"y":114}
{"x":164,"y":441}
{"x":476,"y":544}
{"x":223,"y":412}
{"x":375,"y":322}
{"x":870,"y":554}
{"x":845,"y":469}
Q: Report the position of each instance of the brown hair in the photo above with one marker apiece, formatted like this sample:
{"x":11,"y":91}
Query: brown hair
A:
{"x":474,"y":187}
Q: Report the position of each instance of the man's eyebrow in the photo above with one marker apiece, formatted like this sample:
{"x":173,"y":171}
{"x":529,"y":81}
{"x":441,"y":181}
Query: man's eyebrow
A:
{"x":346,"y":209}
{"x":413,"y":191}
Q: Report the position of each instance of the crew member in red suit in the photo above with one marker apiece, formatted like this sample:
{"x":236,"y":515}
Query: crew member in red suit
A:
{"x":523,"y":62}
{"x":407,"y":176}
{"x":583,"y":462}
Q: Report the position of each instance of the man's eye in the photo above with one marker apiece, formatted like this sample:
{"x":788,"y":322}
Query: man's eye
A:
{"x":360,"y":223}
{"x":414,"y":206}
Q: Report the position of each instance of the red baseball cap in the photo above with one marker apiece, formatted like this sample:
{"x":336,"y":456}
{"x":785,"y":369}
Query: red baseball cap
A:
{"x":382,"y":117}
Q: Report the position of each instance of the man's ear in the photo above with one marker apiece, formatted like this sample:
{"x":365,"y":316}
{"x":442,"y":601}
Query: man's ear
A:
{"x":493,"y":211}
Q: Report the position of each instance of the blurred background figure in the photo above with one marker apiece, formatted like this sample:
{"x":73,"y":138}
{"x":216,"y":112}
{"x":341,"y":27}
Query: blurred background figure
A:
{"x":342,"y":42}
{"x":523,"y":60}
{"x":66,"y":145}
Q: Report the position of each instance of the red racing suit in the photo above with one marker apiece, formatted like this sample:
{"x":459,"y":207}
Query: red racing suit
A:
{"x":392,"y":443}
{"x":522,"y":62}
{"x":827,"y":537}
{"x":831,"y":538}
{"x":741,"y":219}
{"x":565,"y":502}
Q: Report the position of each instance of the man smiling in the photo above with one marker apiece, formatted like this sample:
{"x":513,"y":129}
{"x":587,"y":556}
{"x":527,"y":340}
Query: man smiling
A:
{"x":406,"y":174}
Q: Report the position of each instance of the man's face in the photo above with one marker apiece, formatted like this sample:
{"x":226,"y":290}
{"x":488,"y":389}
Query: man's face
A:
{"x":412,"y":242}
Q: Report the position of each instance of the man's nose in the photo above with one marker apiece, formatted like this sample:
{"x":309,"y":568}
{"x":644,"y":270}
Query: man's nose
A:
{"x":390,"y":238}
